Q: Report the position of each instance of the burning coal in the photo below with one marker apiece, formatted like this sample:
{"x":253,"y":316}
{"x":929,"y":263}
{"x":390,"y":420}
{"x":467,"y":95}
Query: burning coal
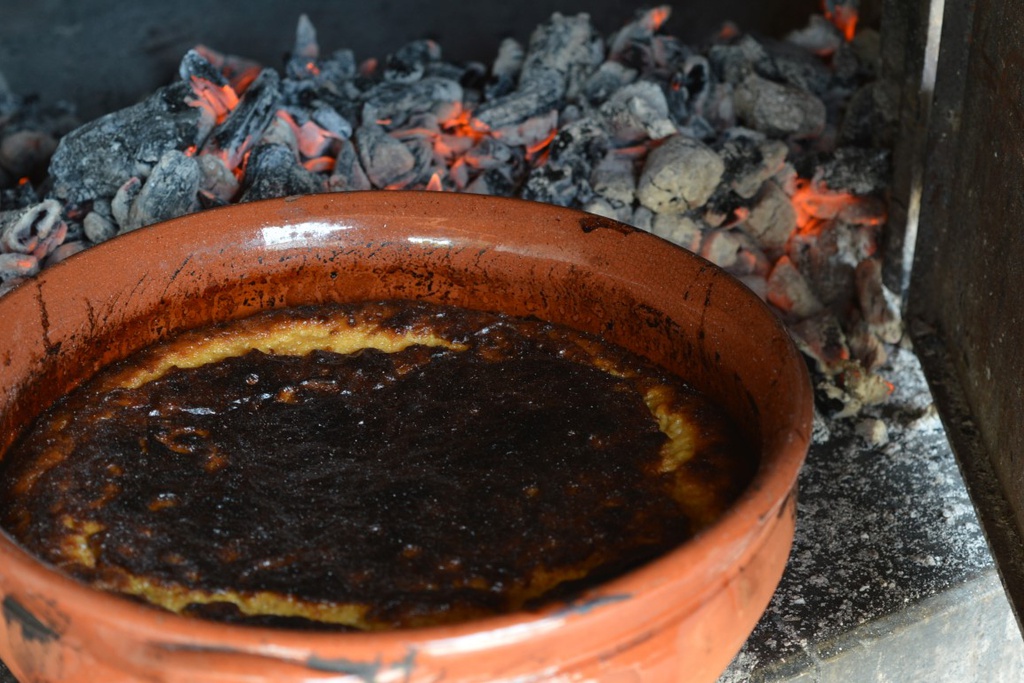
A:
{"x":767,"y":157}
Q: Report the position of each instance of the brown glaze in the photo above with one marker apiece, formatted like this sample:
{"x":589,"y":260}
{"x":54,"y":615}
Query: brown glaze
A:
{"x":689,"y":610}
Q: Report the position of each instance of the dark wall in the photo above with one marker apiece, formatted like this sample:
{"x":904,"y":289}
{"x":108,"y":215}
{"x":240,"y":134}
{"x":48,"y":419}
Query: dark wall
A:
{"x":105,"y":54}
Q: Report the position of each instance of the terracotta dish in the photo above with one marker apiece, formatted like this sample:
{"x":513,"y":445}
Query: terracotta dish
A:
{"x":680,"y":617}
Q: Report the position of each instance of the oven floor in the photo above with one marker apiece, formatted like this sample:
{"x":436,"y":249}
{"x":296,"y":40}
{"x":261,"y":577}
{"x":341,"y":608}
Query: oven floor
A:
{"x":890,"y":578}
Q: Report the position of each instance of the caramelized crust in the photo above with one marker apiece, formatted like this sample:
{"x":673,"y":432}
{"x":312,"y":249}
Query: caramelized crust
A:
{"x":368,"y":467}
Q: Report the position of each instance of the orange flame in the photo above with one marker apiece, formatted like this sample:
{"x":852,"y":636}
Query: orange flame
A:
{"x":538,"y":152}
{"x":462,"y":123}
{"x":217,"y":100}
{"x":435,"y":183}
{"x":815,"y":206}
{"x":843,"y":17}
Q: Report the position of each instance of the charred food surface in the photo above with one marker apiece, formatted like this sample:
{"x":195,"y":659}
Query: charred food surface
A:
{"x":371,"y":466}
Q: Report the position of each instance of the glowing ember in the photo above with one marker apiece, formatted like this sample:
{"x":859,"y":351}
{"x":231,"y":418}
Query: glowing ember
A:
{"x":843,"y":17}
{"x":216,"y":100}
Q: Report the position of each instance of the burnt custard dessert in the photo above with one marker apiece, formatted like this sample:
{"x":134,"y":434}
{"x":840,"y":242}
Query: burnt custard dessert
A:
{"x":369,"y":466}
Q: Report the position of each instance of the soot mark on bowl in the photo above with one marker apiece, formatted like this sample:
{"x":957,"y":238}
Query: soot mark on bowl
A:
{"x":32,"y":628}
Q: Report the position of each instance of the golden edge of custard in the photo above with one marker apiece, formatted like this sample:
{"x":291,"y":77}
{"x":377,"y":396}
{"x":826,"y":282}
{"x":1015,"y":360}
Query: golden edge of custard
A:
{"x":338,"y":334}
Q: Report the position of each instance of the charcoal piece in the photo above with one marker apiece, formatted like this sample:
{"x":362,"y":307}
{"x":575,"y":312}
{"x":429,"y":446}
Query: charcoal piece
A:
{"x":614,"y":179}
{"x":169,"y":191}
{"x":580,"y":145}
{"x":791,"y":292}
{"x":606,"y":80}
{"x":750,"y":160}
{"x":772,"y":218}
{"x":348,"y":174}
{"x":99,"y":228}
{"x":733,"y":63}
{"x":274,"y":171}
{"x":778,"y":110}
{"x":328,"y":118}
{"x":244,"y":126}
{"x":679,"y":175}
{"x":856,"y":170}
{"x":69,"y":248}
{"x":784,"y":62}
{"x":505,"y":69}
{"x":305,"y":51}
{"x":15,"y":267}
{"x":195,"y":65}
{"x":565,"y":50}
{"x":278,"y":132}
{"x":637,"y":112}
{"x":341,"y":67}
{"x":500,"y":182}
{"x":828,"y":260}
{"x":556,"y":185}
{"x":531,"y":132}
{"x":121,"y":203}
{"x":879,"y":307}
{"x":504,"y":181}
{"x":19,"y":196}
{"x":634,"y":44}
{"x":540,"y":97}
{"x":410,"y":62}
{"x":689,"y":88}
{"x":385,"y":159}
{"x":97,"y":158}
{"x":26,"y":153}
{"x":392,"y":104}
{"x":217,"y":179}
{"x":820,"y":36}
{"x":643,"y":218}
{"x":489,"y":153}
{"x":871,"y":117}
{"x":33,"y":230}
{"x":679,"y":229}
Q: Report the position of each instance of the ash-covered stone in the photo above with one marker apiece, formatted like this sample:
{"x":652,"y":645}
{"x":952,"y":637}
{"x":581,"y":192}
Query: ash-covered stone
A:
{"x":96,"y":159}
{"x":679,"y":175}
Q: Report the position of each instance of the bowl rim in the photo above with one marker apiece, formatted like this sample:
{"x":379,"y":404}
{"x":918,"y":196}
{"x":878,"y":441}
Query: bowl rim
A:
{"x":766,"y":496}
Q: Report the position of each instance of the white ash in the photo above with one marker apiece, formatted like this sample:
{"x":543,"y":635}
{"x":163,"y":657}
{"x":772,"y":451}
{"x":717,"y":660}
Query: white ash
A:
{"x":768,"y":157}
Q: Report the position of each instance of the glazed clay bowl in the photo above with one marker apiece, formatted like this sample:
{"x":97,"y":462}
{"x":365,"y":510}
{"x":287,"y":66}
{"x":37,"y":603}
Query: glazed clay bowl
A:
{"x":680,"y":617}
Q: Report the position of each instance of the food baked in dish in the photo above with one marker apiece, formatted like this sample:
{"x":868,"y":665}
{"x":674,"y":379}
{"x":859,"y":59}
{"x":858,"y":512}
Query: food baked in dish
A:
{"x":369,"y":466}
